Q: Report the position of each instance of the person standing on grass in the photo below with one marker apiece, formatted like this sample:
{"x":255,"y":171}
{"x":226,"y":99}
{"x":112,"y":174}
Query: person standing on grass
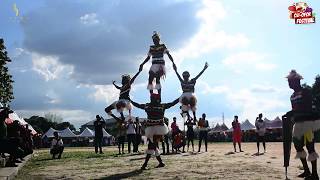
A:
{"x":131,"y":134}
{"x":138,"y":136}
{"x":165,"y":141}
{"x":190,"y":133}
{"x":203,"y":125}
{"x":236,"y":133}
{"x":99,"y":124}
{"x":56,"y":146}
{"x":260,"y":130}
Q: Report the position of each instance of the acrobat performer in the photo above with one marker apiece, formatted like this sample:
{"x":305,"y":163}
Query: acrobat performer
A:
{"x":306,"y":122}
{"x":155,"y":126}
{"x":157,"y":69}
{"x":124,"y":98}
{"x":188,"y":99}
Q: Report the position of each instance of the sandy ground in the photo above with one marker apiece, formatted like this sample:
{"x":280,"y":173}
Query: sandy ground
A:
{"x":218,"y":163}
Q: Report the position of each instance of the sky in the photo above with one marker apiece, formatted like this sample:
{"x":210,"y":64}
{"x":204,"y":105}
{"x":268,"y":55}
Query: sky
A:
{"x":65,"y":54}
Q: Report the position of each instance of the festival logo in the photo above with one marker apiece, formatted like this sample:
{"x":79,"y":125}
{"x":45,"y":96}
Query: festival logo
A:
{"x":301,"y":13}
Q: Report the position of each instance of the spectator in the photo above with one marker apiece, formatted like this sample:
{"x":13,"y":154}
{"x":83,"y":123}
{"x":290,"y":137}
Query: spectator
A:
{"x":203,"y":134}
{"x":99,"y":124}
{"x":260,"y":131}
{"x":56,"y":146}
{"x":236,"y":133}
{"x":165,"y":141}
{"x":138,"y":135}
{"x":131,"y":134}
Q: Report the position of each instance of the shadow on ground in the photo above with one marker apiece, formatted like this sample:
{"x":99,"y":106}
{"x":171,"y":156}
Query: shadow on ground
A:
{"x":123,"y":175}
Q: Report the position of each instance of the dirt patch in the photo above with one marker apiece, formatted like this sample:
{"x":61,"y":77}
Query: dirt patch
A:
{"x":218,"y":163}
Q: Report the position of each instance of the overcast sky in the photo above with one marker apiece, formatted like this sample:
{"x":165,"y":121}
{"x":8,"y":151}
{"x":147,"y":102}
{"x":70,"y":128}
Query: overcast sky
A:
{"x":66,"y":54}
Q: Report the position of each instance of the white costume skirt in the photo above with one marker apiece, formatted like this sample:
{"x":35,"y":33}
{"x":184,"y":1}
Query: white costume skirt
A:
{"x":160,"y":130}
{"x":122,"y":104}
{"x":158,"y":69}
{"x":188,"y":96}
{"x":300,"y":128}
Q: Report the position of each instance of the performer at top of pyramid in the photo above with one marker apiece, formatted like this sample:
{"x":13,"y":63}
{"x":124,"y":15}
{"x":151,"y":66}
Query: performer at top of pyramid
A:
{"x":157,"y":69}
{"x":124,"y":97}
{"x":188,"y":99}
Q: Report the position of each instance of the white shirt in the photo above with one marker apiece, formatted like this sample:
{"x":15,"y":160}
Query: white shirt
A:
{"x":261,"y":128}
{"x":54,"y":142}
{"x":131,"y":129}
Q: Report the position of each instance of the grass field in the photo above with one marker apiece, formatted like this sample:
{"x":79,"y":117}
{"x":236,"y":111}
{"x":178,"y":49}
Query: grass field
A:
{"x":218,"y":163}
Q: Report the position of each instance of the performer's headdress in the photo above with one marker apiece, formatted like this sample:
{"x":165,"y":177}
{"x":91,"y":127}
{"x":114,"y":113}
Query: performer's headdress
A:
{"x":155,"y":35}
{"x":127,"y":76}
{"x":294,"y":75}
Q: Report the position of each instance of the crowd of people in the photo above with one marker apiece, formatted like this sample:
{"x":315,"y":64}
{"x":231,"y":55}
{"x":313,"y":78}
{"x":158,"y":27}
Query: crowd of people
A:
{"x":15,"y":139}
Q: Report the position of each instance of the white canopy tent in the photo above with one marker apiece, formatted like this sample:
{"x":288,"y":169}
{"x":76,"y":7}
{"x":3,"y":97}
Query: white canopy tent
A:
{"x":14,"y":116}
{"x":49,"y":133}
{"x":87,"y":133}
{"x":105,"y":134}
{"x":245,"y":126}
{"x":66,"y":133}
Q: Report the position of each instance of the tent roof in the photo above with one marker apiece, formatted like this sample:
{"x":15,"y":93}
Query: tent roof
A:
{"x":14,"y":116}
{"x":49,"y":133}
{"x":87,"y":133}
{"x":105,"y":134}
{"x":67,"y":133}
{"x":246,"y":125}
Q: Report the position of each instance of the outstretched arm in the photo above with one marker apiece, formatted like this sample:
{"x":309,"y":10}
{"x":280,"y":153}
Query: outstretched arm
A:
{"x":136,"y":75}
{"x":204,"y":68}
{"x":170,"y":57}
{"x":169,"y":105}
{"x":114,"y":83}
{"x":141,"y":106}
{"x":146,"y":60}
{"x":175,"y":69}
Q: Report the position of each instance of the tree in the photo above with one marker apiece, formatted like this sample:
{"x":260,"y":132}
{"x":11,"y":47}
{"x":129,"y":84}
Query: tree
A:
{"x":316,"y":93}
{"x":53,"y":117}
{"x":6,"y":88}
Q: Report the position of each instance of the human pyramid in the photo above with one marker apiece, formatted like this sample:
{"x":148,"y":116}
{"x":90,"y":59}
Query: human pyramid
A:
{"x":155,"y":126}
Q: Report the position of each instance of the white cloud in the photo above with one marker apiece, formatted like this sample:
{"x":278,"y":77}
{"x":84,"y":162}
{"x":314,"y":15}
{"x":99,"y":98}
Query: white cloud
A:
{"x":105,"y":93}
{"x":207,"y":89}
{"x":49,"y":67}
{"x":248,"y":102}
{"x":244,"y":61}
{"x":89,"y":19}
{"x":208,"y":38}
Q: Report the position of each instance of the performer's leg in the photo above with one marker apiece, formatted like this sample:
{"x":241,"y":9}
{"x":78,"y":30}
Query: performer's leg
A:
{"x":234,"y":146}
{"x":109,"y":109}
{"x":206,"y":140}
{"x":100,"y":145}
{"x":298,"y":144}
{"x":258,"y":142}
{"x":313,"y":158}
{"x":158,"y":85}
{"x":146,"y":162}
{"x":192,"y":145}
{"x":151,"y":78}
{"x":122,"y":116}
{"x":200,"y":139}
{"x":264,"y":143}
{"x":239,"y":143}
{"x":96,"y":145}
{"x":163,"y":147}
{"x":119,"y":145}
{"x":188,"y":143}
{"x":129,"y":143}
{"x":166,"y":138}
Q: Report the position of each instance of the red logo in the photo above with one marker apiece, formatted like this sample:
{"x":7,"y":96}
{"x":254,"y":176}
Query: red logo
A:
{"x":301,"y":13}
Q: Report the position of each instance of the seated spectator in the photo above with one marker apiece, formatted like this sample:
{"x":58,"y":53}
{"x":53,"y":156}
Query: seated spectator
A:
{"x":56,"y":146}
